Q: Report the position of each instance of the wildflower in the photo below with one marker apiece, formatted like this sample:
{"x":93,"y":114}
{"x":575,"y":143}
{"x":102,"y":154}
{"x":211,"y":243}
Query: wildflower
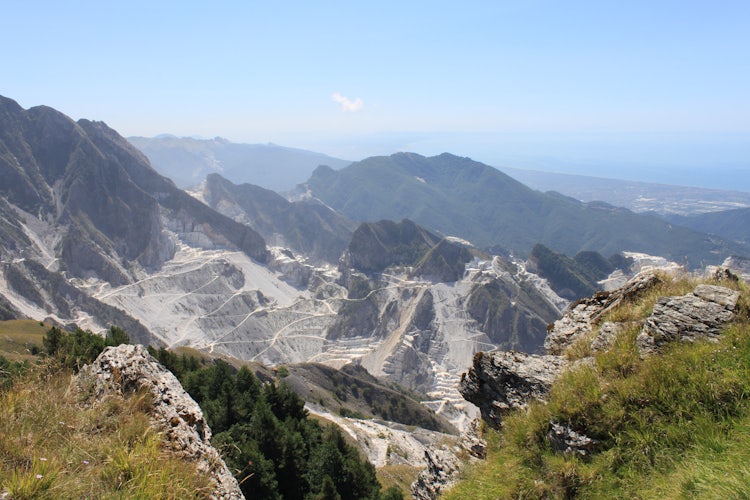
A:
{"x":85,"y":462}
{"x":43,"y":459}
{"x":39,"y":476}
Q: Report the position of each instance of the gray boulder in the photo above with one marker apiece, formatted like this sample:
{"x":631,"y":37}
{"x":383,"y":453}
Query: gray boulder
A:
{"x":499,"y":382}
{"x":695,"y":316}
{"x":565,"y":440}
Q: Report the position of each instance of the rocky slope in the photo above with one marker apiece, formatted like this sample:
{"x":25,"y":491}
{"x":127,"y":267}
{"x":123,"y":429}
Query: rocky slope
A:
{"x":499,"y":382}
{"x":306,"y":227}
{"x":113,"y":205}
{"x":188,"y":161}
{"x":83,"y":204}
{"x":127,"y":369}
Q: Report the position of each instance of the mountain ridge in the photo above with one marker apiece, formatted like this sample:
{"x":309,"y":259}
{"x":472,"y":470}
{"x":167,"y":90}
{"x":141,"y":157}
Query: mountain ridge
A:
{"x":459,"y":197}
{"x":188,"y":161}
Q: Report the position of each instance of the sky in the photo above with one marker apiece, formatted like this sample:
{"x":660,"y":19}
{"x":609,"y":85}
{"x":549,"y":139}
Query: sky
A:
{"x":644,"y":90}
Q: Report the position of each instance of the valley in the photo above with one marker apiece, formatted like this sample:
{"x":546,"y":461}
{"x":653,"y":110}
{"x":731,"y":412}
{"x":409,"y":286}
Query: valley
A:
{"x":403,"y":268}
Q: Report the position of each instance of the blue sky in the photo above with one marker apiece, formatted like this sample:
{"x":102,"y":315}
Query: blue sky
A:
{"x":615,"y":88}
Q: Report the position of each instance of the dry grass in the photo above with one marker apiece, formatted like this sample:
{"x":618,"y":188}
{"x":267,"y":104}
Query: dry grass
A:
{"x":19,"y":337}
{"x":52,"y":447}
{"x":400,"y":476}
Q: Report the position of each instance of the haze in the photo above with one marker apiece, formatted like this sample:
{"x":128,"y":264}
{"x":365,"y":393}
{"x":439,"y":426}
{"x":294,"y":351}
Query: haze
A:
{"x":655,"y":91}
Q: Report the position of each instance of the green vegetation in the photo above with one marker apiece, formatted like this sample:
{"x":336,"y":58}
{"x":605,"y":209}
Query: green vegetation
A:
{"x":460,"y":197}
{"x":672,"y":425}
{"x":54,"y":448}
{"x":577,"y":277}
{"x":21,"y":340}
{"x":399,"y":476}
{"x":76,"y":349}
{"x":267,"y":439}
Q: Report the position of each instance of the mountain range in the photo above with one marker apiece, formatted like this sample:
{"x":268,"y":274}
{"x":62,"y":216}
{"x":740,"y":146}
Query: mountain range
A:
{"x":92,"y":236}
{"x":187,"y":161}
{"x":387,"y":263}
{"x":460,"y":197}
{"x":306,"y":226}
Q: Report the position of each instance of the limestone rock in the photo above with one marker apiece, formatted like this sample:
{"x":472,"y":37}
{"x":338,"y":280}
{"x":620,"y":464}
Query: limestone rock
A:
{"x":442,"y":471}
{"x":565,"y":440}
{"x":499,"y":382}
{"x":698,"y":315}
{"x":606,"y":336}
{"x":472,"y":441}
{"x":581,"y":317}
{"x":128,"y":368}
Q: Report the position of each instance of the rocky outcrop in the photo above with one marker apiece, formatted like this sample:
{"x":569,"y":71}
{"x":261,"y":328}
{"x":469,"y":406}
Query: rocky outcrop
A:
{"x":565,"y":440}
{"x":698,"y":315}
{"x":441,"y":472}
{"x":582,"y":316}
{"x":444,"y":466}
{"x":499,"y":382}
{"x":125,"y":369}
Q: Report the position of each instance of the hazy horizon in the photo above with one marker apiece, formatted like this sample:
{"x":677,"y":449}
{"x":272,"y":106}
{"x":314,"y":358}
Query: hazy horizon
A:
{"x":650,"y":91}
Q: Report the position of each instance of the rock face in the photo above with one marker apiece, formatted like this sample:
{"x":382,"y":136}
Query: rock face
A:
{"x":442,"y":471}
{"x":128,"y":368}
{"x":444,"y":466}
{"x":698,"y":315}
{"x":378,"y":245}
{"x":582,"y":316}
{"x":111,"y":211}
{"x":307,"y":226}
{"x":499,"y":382}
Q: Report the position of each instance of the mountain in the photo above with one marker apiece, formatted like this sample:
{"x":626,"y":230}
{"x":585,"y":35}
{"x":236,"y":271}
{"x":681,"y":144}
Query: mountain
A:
{"x":662,"y":199}
{"x":732,"y":225}
{"x":307,"y":227}
{"x":188,"y":161}
{"x":80,"y":203}
{"x":460,"y":197}
{"x":92,"y":235}
{"x":576,"y":277}
{"x":114,"y":206}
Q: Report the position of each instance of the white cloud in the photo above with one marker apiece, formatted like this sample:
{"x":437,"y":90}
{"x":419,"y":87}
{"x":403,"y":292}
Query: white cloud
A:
{"x":347,"y":105}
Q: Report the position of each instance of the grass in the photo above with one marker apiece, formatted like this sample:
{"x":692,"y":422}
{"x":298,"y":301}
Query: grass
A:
{"x":53,"y":447}
{"x":675,"y":425}
{"x":400,"y":476}
{"x":20,"y":338}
